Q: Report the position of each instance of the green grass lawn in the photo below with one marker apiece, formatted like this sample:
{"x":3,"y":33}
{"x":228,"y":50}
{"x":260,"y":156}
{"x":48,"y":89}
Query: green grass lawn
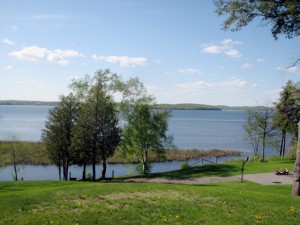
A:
{"x":51,"y":202}
{"x":224,"y":170}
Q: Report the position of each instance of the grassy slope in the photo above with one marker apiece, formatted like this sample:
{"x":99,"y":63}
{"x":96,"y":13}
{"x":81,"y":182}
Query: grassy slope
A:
{"x":113,"y":203}
{"x":226,"y":169}
{"x":131,"y":203}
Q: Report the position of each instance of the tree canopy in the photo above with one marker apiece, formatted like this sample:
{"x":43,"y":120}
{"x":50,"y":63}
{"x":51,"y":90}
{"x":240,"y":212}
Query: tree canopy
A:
{"x":283,"y":15}
{"x":145,"y":131}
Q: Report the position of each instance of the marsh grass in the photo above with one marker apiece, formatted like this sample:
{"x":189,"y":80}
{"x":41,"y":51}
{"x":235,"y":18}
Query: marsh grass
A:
{"x":126,"y":203}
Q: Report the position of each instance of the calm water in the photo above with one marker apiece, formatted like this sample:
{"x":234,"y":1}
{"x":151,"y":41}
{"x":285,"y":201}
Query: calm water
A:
{"x":190,"y":128}
{"x":199,"y":129}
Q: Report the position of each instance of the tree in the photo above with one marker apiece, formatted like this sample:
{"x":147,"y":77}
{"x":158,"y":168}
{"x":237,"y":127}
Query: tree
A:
{"x":252,"y":134}
{"x":285,"y":19}
{"x":58,"y":132}
{"x":283,"y":15}
{"x":259,"y":127}
{"x":286,"y":113}
{"x":16,"y":153}
{"x":97,"y":130}
{"x":296,"y":180}
{"x":145,"y":131}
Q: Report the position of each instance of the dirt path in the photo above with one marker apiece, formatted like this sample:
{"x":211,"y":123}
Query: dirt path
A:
{"x":260,"y":178}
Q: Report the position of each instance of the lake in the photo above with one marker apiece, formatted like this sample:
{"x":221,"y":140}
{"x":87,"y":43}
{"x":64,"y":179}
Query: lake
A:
{"x":200,"y":129}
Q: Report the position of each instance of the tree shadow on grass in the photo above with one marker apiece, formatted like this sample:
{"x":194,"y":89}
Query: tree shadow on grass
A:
{"x":222,"y":170}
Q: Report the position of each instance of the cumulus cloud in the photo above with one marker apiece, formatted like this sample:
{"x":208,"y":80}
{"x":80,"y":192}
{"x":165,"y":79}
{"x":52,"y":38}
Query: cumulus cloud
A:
{"x":124,"y":61}
{"x":189,"y":71}
{"x":293,"y":69}
{"x":226,"y":47}
{"x":230,"y":84}
{"x":35,"y":53}
{"x":246,"y":66}
{"x":7,"y":41}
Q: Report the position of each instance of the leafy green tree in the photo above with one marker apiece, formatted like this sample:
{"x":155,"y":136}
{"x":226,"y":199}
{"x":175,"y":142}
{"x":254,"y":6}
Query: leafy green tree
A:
{"x":97,"y":131}
{"x":58,"y":132}
{"x":145,"y":131}
{"x":283,"y":15}
{"x":286,"y":113}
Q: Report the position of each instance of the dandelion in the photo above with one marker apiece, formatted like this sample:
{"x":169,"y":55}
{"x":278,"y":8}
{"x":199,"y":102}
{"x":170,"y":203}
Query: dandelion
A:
{"x":292,"y":209}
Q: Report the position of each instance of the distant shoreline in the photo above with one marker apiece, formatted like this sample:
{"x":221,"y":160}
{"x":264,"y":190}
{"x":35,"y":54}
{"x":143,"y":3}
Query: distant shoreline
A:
{"x":183,"y":106}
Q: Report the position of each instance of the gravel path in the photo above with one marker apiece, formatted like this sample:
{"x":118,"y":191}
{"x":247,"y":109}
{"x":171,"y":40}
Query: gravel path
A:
{"x":260,"y":178}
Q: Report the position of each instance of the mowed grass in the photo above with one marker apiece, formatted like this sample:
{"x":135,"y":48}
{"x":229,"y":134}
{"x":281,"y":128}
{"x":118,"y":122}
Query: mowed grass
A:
{"x":54,"y":202}
{"x":224,"y":170}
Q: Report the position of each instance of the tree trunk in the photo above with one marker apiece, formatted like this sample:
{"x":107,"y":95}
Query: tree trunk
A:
{"x":283,"y":147}
{"x":16,"y":172}
{"x":263,"y":148}
{"x":145,"y":156}
{"x":59,"y":171}
{"x":84,"y":172}
{"x":282,"y":144}
{"x":296,"y":182}
{"x":65,"y":168}
{"x":103,"y":169}
{"x":94,"y":165}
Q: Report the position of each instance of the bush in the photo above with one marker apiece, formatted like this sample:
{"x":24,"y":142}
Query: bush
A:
{"x":139,"y":168}
{"x":88,"y":176}
{"x":185,"y":165}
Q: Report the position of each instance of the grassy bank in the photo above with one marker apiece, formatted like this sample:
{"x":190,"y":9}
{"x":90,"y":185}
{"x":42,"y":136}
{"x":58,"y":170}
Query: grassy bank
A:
{"x":34,"y":153}
{"x":124,"y":203}
{"x":224,"y":170}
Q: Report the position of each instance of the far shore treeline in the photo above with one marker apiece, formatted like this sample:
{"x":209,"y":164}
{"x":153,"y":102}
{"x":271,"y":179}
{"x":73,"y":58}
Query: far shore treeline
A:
{"x":181,"y":106}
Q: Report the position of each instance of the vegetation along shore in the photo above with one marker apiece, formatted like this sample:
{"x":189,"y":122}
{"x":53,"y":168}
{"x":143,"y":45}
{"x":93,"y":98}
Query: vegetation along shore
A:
{"x":34,"y":153}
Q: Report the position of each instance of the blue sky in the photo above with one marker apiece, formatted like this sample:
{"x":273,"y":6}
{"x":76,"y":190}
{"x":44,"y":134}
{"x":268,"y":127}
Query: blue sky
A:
{"x":176,"y":48}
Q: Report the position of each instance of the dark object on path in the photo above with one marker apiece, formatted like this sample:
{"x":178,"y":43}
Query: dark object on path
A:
{"x":282,"y":172}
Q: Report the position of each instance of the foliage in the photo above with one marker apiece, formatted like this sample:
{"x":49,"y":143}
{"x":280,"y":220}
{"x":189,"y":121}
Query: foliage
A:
{"x":184,"y":166}
{"x":96,"y":134}
{"x":145,"y":131}
{"x":284,"y":16}
{"x":58,"y":132}
{"x":287,"y":109}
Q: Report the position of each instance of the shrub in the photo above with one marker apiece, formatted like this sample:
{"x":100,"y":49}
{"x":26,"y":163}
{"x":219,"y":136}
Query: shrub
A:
{"x":184,"y":166}
{"x":139,"y":168}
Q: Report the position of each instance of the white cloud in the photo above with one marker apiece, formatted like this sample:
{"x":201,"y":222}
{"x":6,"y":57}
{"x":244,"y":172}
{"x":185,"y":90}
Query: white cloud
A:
{"x":122,"y":60}
{"x":8,"y":68}
{"x":7,"y":41}
{"x":14,"y":27}
{"x":246,"y":66}
{"x":226,"y":47}
{"x":260,"y":60}
{"x":230,"y":84}
{"x":189,"y":71}
{"x":293,"y":69}
{"x":35,"y":53}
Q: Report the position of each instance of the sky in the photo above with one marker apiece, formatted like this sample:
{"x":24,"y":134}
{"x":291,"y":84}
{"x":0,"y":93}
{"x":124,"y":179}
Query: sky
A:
{"x":176,"y":48}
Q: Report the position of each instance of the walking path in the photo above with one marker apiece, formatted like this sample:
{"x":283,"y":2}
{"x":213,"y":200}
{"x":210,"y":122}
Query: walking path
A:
{"x":260,"y":178}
